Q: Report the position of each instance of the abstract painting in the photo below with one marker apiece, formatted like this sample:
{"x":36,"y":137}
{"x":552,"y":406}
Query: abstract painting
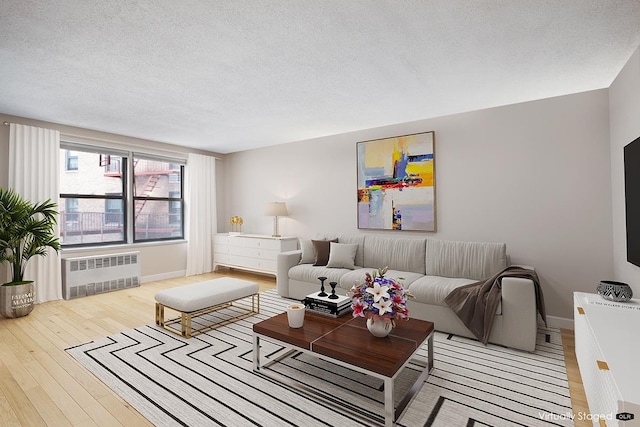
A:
{"x":396,"y":183}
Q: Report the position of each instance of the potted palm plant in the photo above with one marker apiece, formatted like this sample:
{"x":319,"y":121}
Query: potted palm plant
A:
{"x":26,"y":230}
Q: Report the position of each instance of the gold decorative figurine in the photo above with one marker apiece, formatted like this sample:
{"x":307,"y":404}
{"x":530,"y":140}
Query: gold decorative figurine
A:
{"x":236,"y":224}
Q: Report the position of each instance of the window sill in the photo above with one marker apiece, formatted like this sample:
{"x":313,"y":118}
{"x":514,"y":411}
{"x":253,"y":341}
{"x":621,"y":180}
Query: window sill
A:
{"x":123,"y":246}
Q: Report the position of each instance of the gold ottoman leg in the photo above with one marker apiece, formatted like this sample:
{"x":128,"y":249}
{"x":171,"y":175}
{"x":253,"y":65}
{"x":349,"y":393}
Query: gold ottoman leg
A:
{"x":186,"y":325}
{"x":159,"y":314}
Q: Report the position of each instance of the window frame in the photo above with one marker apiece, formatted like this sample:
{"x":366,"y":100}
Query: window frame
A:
{"x":67,"y":160}
{"x":108,"y":196}
{"x":109,"y":211}
{"x":169,"y":200}
{"x":128,"y":198}
{"x":71,"y":208}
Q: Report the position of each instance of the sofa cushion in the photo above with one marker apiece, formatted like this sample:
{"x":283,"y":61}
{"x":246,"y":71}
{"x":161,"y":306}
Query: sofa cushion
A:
{"x":434,"y":289}
{"x":310,"y":273}
{"x":470,"y":260}
{"x":346,"y":238}
{"x":400,"y":254}
{"x":321,"y":248}
{"x":342,"y":255}
{"x":357,"y":276}
{"x":308,"y":254}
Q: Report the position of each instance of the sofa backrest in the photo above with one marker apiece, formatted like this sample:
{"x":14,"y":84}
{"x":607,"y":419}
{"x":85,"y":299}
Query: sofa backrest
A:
{"x":471,"y":260}
{"x":396,"y":253}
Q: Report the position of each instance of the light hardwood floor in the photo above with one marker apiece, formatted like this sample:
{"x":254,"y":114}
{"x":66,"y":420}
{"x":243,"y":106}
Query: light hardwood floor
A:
{"x":40,"y":385}
{"x":578,"y":398}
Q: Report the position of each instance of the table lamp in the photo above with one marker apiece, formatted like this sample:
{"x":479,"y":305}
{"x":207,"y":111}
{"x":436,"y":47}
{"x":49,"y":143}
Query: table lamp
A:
{"x":276,"y":209}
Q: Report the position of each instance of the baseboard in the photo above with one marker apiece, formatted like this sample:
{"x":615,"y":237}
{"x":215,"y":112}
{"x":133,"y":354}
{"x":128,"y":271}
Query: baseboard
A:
{"x":164,"y":276}
{"x":559,"y":322}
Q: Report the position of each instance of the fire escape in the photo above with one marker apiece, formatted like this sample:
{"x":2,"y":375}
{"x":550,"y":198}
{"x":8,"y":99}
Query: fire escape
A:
{"x":148,"y":188}
{"x":152,"y":177}
{"x":112,"y":168}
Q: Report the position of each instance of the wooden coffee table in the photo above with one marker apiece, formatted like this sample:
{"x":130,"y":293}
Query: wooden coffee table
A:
{"x":347,"y":342}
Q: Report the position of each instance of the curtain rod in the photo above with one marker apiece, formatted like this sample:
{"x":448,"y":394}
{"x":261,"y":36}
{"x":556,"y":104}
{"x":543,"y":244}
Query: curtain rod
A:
{"x":82,"y":139}
{"x":6,"y":123}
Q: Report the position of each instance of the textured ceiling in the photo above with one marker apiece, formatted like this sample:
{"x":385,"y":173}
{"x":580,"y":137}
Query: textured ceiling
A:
{"x":232,"y":75}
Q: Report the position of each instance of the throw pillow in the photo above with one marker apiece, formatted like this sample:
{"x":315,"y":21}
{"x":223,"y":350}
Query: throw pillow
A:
{"x":342,"y":255}
{"x":308,"y":254}
{"x":322,"y":248}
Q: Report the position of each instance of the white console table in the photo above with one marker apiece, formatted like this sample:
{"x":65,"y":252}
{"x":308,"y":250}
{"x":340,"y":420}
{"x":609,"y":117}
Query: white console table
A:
{"x":254,"y":252}
{"x":607,"y":340}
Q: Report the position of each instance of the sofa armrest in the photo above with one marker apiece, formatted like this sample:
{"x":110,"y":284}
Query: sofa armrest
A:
{"x":520,"y":315}
{"x":285,"y":261}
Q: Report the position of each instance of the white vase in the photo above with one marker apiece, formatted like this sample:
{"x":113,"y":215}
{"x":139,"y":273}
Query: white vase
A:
{"x":379,"y":328}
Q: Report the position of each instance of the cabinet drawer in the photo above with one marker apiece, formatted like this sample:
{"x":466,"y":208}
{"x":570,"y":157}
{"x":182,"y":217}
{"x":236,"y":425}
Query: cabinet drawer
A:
{"x":268,"y":255}
{"x":218,"y":248}
{"x":220,"y":258}
{"x":267,"y":265}
{"x":252,"y":263}
{"x":262,"y":244}
{"x":240,"y":251}
{"x":220,"y":239}
{"x":242,"y":261}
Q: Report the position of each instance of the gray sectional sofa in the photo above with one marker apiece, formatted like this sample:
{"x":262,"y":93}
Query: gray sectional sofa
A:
{"x":428,"y":268}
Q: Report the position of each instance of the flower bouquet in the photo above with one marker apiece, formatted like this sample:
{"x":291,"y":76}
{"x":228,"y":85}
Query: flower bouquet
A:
{"x":379,"y":298}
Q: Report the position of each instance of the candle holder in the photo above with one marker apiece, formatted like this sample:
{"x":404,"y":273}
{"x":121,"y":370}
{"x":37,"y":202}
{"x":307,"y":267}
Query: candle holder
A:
{"x":333,"y":290}
{"x":322,"y":292}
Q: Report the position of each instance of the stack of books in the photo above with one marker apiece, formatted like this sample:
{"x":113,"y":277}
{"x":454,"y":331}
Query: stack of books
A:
{"x":327,"y":306}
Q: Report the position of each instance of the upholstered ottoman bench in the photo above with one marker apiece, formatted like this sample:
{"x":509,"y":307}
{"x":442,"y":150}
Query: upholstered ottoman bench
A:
{"x":203,"y":298}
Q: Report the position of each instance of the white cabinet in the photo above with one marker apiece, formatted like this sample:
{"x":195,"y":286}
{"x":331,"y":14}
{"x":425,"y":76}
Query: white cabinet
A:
{"x":253,"y":252}
{"x":607,"y":344}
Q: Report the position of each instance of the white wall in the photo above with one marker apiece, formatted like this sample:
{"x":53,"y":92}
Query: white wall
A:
{"x":534,"y":175}
{"x":624,"y":101}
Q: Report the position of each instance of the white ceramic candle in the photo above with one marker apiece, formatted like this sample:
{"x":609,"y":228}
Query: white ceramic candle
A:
{"x":295,"y":315}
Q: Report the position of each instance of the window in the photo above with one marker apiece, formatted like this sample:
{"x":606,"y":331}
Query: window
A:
{"x":175,"y":207}
{"x":71,"y":210}
{"x":119,"y":197}
{"x":114,"y":212}
{"x":94,"y":202}
{"x":157,"y":199}
{"x":71,"y":160}
{"x":174,"y":177}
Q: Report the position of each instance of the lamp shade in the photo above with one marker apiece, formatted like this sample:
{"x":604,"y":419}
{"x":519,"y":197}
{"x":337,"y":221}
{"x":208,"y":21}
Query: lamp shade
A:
{"x":276,"y":209}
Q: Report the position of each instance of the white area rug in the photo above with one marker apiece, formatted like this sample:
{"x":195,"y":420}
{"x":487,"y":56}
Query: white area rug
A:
{"x":208,"y":380}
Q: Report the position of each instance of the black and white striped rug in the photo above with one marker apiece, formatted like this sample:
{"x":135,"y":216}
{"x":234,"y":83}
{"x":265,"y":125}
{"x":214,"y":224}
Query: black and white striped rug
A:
{"x":208,"y":380}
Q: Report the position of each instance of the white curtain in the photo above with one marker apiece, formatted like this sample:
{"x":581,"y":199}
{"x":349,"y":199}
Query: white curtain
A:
{"x":200,"y":189}
{"x":34,"y":165}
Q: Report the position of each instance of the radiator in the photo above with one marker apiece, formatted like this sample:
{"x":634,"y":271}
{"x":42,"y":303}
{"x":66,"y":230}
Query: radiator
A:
{"x":91,"y":275}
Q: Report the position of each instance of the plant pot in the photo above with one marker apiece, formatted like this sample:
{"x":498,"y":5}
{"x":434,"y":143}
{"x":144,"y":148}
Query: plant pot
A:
{"x":16,"y":300}
{"x":379,"y":328}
